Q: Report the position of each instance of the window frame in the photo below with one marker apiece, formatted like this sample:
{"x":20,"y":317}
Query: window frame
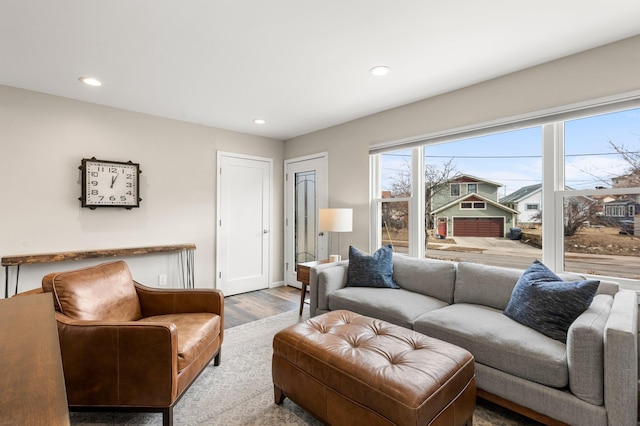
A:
{"x":416,"y":216}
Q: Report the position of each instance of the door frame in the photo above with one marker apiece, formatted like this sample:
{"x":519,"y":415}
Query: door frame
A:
{"x":270,"y":241}
{"x":288,"y":209}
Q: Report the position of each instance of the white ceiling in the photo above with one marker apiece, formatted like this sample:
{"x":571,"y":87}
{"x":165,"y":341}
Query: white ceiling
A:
{"x":301,"y":65}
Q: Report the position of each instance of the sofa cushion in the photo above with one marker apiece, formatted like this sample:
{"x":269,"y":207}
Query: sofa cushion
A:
{"x":375,"y":270}
{"x":196,"y":332}
{"x":498,"y":341}
{"x":430,"y":277}
{"x":585,"y":351}
{"x":397,"y":306}
{"x":105,"y":292}
{"x":546,"y":303}
{"x":485,"y":285}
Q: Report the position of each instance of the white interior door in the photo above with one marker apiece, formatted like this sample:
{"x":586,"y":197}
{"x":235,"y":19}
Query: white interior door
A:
{"x":306,"y":190}
{"x":243,"y":223}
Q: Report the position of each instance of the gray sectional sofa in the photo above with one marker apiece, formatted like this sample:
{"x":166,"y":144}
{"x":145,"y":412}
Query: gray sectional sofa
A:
{"x":590,"y":380}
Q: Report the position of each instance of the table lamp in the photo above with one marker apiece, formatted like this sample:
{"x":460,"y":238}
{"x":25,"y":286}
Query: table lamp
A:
{"x":335,"y":220}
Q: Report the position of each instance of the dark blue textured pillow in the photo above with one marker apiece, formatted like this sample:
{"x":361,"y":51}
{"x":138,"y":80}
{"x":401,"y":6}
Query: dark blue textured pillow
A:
{"x":371,"y":271}
{"x":543,"y":301}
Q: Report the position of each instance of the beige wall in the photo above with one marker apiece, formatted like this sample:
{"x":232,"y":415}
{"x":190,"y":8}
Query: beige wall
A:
{"x":593,"y":74}
{"x":43,"y":139}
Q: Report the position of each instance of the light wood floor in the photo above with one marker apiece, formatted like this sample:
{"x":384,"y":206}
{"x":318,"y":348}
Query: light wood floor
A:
{"x":255,"y":305}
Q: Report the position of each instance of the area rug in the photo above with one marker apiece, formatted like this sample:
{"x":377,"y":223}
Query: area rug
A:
{"x":240,"y":390}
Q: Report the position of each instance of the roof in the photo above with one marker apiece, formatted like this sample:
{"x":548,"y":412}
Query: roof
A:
{"x":621,"y":202}
{"x":521,"y":193}
{"x":477,"y":196}
{"x":465,"y":178}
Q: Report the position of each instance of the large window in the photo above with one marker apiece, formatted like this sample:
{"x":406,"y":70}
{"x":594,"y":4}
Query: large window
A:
{"x":573,"y":182}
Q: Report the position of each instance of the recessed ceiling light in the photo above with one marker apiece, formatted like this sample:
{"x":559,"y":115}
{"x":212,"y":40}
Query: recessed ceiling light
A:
{"x":380,"y":70}
{"x":90,"y":81}
{"x":259,"y":121}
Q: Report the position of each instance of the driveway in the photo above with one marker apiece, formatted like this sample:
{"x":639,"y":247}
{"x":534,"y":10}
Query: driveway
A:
{"x":492,"y":245}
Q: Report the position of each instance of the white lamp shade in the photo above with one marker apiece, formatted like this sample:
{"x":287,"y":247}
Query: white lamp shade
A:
{"x":335,"y":220}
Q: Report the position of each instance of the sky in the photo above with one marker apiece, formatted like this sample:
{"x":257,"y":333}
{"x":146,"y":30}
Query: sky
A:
{"x":514,"y":159}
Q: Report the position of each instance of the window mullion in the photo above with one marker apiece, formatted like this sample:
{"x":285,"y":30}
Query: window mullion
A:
{"x":552,"y":184}
{"x":375,"y":205}
{"x":416,"y":205}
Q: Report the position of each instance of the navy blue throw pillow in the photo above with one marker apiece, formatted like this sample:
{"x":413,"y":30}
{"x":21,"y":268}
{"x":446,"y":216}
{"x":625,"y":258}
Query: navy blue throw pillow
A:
{"x":543,"y":301}
{"x":371,"y":271}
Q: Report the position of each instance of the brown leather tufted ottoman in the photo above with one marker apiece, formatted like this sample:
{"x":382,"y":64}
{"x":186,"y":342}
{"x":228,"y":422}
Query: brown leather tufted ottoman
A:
{"x":348,"y":369}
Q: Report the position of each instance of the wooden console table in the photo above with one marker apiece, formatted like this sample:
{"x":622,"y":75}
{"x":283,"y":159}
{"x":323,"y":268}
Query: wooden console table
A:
{"x":186,"y":259}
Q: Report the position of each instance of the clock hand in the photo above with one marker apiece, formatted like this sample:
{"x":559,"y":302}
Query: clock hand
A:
{"x":113,"y":180}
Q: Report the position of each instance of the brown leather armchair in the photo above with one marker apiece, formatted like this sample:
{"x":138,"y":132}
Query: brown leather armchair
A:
{"x":127,"y":347}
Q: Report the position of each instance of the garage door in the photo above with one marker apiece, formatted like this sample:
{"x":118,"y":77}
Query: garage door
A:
{"x":478,"y":227}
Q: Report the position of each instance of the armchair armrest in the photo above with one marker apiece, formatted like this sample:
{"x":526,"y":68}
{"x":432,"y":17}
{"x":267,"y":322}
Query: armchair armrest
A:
{"x":119,"y":363}
{"x":154,"y":301}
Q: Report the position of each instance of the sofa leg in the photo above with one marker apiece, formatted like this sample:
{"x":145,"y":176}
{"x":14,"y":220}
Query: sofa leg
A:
{"x":167,"y":416}
{"x":217,"y":358}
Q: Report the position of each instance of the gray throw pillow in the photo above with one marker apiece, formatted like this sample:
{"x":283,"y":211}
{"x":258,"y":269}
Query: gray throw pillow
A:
{"x":543,"y":301}
{"x":371,"y":271}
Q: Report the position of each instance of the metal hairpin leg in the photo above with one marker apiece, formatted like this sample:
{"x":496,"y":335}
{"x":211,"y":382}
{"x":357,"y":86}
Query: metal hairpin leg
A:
{"x":6,"y":280}
{"x":17,"y":276}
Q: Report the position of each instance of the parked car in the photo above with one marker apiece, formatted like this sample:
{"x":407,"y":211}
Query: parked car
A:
{"x":626,"y":227}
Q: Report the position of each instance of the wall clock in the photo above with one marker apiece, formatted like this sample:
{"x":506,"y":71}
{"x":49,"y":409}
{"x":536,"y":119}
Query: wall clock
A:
{"x":110,"y":184}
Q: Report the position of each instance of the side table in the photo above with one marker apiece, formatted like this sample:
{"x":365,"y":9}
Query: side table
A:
{"x":303,"y":274}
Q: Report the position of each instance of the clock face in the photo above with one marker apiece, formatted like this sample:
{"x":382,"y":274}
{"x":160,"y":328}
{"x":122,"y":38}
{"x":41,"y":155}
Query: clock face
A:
{"x":109,"y":184}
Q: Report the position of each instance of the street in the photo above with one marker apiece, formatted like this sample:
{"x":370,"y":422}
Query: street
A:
{"x":514,"y":254}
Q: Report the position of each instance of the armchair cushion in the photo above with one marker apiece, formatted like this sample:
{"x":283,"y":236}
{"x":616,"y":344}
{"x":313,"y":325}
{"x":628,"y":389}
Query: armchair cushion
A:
{"x":196,"y":332}
{"x":104,"y":292}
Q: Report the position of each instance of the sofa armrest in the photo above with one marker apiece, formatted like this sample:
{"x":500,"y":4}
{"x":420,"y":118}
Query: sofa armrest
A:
{"x":323,"y":280}
{"x":119,"y":363}
{"x":161,"y":301}
{"x":621,"y":360}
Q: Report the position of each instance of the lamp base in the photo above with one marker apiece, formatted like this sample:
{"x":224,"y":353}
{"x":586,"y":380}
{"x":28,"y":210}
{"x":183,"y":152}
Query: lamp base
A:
{"x":335,"y":258}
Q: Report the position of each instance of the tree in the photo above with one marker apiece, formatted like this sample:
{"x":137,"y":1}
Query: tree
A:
{"x":632,"y":158}
{"x":434,"y":183}
{"x":400,"y":185}
{"x":395,"y":215}
{"x":579,"y":212}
